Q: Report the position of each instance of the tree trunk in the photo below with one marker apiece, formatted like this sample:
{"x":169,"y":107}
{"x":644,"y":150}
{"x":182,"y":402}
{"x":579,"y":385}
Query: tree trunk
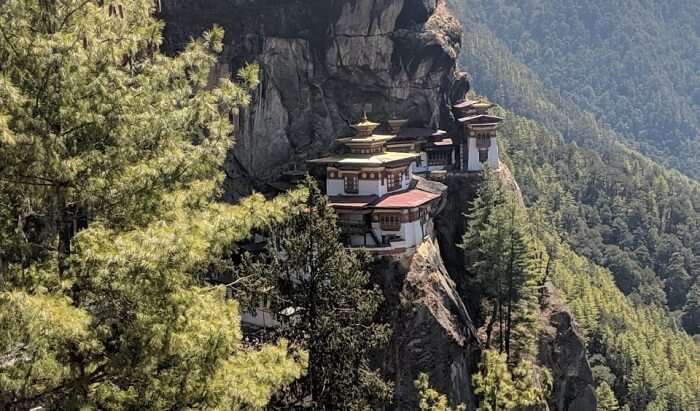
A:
{"x":64,"y":225}
{"x":489,"y":327}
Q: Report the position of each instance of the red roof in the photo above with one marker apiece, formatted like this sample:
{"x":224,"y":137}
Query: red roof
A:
{"x":351,"y":201}
{"x":405,"y":199}
{"x":443,"y":142}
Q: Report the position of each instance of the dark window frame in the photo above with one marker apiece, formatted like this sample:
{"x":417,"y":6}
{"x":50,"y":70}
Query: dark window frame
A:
{"x":390,"y":222}
{"x":351,"y":183}
{"x":483,"y":156}
{"x":393,"y":181}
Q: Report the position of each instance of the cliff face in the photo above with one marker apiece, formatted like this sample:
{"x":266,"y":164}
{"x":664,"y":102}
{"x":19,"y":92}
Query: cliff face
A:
{"x":562,"y":350}
{"x":322,"y":63}
{"x":432,"y":330}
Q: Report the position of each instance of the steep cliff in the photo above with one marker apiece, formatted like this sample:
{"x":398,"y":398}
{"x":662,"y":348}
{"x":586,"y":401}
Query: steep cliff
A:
{"x":322,"y":63}
{"x":432,"y":330}
{"x":562,"y":350}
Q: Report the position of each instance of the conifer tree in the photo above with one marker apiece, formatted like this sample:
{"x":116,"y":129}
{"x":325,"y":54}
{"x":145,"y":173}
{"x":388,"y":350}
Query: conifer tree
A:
{"x":501,"y":387}
{"x":431,"y":400}
{"x":98,"y":125}
{"x":501,"y":256}
{"x":691,"y":311}
{"x":606,"y":398}
{"x":110,"y":158}
{"x":332,"y":307}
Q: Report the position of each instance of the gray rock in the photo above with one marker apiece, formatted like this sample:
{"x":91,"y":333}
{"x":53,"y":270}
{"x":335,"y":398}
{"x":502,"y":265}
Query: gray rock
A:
{"x":562,"y":349}
{"x":432,"y":330}
{"x":321,"y":63}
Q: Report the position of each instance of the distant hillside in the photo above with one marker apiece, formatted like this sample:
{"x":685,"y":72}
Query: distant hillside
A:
{"x":618,"y":208}
{"x":633,"y":64}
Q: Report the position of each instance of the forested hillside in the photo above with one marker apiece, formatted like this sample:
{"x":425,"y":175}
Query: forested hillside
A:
{"x":633,"y":64}
{"x":618,"y":209}
{"x":640,"y":359}
{"x":623,"y":211}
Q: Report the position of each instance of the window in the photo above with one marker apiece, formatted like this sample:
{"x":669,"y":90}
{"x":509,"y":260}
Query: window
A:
{"x":351,"y":184}
{"x":439,"y":158}
{"x":393,"y":181}
{"x":483,"y":142}
{"x":390,"y":222}
{"x":483,"y":156}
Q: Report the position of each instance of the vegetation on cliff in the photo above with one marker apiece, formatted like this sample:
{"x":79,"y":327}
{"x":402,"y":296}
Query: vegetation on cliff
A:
{"x":505,"y":268}
{"x":307,"y":270}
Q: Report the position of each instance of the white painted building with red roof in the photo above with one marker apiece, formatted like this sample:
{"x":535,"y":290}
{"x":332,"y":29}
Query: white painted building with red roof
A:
{"x":478,"y":146}
{"x":379,"y":205}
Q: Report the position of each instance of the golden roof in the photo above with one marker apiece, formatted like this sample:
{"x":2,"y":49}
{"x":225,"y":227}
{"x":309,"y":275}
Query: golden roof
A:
{"x":365,"y":159}
{"x":371,"y":139}
{"x":482,"y":104}
{"x":365,"y":128}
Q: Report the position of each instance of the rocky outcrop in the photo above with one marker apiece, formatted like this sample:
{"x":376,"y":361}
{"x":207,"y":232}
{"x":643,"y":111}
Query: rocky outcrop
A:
{"x":433,"y":332}
{"x":322,"y":62}
{"x":562,"y":350}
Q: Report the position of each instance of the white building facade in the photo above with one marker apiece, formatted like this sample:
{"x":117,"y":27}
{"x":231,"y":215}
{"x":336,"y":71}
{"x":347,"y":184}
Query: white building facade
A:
{"x":373,"y":193}
{"x":479,"y":147}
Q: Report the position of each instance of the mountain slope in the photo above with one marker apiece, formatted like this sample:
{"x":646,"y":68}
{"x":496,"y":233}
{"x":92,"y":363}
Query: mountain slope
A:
{"x":615,"y":206}
{"x":633,"y":64}
{"x":633,"y":344}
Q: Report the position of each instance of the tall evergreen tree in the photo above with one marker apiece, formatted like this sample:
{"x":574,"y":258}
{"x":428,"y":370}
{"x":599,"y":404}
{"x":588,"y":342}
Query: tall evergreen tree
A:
{"x":691,"y":311}
{"x":98,"y":125}
{"x":502,"y":258}
{"x":110,"y":157}
{"x":334,"y":305}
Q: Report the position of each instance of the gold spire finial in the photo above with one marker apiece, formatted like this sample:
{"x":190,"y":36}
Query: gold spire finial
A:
{"x":365,"y":127}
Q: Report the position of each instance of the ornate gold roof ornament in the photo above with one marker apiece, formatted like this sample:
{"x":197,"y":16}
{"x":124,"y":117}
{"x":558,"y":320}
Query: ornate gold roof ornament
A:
{"x":365,"y":128}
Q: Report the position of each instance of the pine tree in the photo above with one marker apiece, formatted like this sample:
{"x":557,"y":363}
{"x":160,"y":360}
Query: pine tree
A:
{"x":501,"y":388}
{"x":677,"y":281}
{"x":309,"y":272}
{"x":431,"y":400}
{"x":691,"y":311}
{"x":502,"y":259}
{"x":606,"y":398}
{"x":110,"y":158}
{"x":98,"y":125}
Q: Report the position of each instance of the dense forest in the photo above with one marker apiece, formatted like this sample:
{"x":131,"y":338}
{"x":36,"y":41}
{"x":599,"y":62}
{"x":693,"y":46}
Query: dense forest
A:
{"x":632,"y":64}
{"x":618,"y":209}
{"x":636,"y":348}
{"x":610,"y":191}
{"x":609,"y":205}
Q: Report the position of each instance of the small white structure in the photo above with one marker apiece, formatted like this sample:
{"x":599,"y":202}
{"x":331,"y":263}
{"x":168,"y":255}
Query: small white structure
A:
{"x":371,"y":190}
{"x":479,"y":146}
